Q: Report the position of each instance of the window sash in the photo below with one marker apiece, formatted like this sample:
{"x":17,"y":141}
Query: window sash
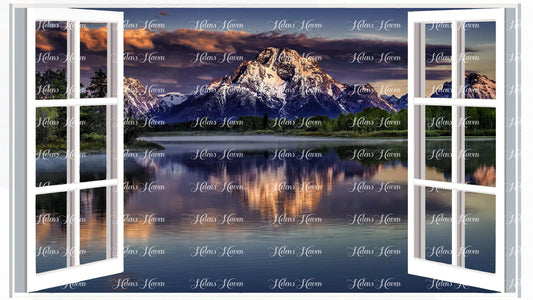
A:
{"x":114,"y":148}
{"x":456,"y":102}
{"x":70,"y":102}
{"x":417,"y":264}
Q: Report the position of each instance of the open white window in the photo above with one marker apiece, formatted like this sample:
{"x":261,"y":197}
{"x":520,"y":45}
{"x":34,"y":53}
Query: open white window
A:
{"x":462,"y":196}
{"x":67,"y":111}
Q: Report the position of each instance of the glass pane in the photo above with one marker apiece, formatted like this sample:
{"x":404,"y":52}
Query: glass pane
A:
{"x":480,"y":145}
{"x":93,"y":60}
{"x":51,"y":146}
{"x":480,"y":60}
{"x":438,"y":225}
{"x":93,"y":143}
{"x":438,"y":143}
{"x":50,"y":60}
{"x":438,"y":57}
{"x":51,"y":232}
{"x":92,"y":225}
{"x":480,"y":235}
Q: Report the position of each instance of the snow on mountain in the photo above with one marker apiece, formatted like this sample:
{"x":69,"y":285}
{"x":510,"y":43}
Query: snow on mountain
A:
{"x":398,"y":103}
{"x":477,"y":86}
{"x":138,"y":100}
{"x":172,"y":98}
{"x":280,"y":83}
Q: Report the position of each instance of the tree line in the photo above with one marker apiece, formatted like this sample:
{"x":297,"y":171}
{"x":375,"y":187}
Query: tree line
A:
{"x":51,"y":122}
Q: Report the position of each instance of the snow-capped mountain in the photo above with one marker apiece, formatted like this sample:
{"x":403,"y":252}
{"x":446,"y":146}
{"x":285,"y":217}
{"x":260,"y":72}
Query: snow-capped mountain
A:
{"x":398,"y":103}
{"x":477,"y":86}
{"x":172,"y":98}
{"x":280,"y":83}
{"x":139,"y":101}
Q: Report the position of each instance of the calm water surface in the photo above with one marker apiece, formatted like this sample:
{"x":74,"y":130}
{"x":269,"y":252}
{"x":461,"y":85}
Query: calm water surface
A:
{"x":224,"y":214}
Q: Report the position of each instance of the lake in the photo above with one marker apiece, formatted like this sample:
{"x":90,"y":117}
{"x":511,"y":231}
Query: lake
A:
{"x":269,"y":214}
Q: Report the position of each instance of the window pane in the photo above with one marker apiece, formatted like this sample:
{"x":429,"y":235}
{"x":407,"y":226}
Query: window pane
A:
{"x":51,"y":60}
{"x":93,"y":56}
{"x":438,"y":143}
{"x":93,"y":225}
{"x":51,"y":146}
{"x":480,"y":60}
{"x":438,"y":57}
{"x":51,"y":232}
{"x":438,"y":225}
{"x":93,"y":143}
{"x":480,"y":235}
{"x":480,"y":145}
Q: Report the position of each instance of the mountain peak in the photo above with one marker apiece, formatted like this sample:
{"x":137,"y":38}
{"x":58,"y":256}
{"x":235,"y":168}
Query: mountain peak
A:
{"x":138,"y":99}
{"x":477,"y":86}
{"x":280,"y":83}
{"x":273,"y":57}
{"x":283,"y":70}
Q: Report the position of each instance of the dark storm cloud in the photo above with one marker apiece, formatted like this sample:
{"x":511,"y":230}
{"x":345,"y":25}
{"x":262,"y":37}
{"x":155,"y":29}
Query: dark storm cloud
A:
{"x":173,"y":59}
{"x":176,"y":55}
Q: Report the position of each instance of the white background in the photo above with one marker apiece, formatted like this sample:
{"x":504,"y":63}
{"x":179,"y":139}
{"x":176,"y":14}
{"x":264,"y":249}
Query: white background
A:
{"x":527,"y":125}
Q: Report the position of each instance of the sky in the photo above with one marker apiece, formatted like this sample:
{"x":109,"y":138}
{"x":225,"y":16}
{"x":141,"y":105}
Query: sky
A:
{"x":182,"y":49}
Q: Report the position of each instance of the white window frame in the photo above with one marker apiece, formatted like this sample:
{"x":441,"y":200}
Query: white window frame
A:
{"x":27,"y":279}
{"x":17,"y":129}
{"x":505,"y":104}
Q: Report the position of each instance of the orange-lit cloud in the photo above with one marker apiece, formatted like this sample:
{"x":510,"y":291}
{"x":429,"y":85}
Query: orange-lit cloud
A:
{"x":203,"y":40}
{"x":139,"y":38}
{"x":47,"y":40}
{"x":95,"y":39}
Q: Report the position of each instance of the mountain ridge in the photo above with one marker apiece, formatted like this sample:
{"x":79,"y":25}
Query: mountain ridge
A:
{"x":278,"y":83}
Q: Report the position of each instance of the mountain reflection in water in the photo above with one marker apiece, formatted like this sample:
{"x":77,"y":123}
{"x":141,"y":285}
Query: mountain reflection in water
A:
{"x":167,"y":192}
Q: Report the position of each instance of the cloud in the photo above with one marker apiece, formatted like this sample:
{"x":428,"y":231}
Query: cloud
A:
{"x":166,"y":81}
{"x":205,"y":77}
{"x":438,"y":74}
{"x":376,"y":36}
{"x":50,"y":40}
{"x":138,"y":38}
{"x":203,"y":40}
{"x":94,"y":39}
{"x":180,"y":46}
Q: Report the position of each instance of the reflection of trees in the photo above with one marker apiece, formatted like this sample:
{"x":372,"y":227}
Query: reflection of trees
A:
{"x":137,"y":172}
{"x":484,"y":175}
{"x":479,"y":153}
{"x":443,"y":165}
{"x":261,"y":176}
{"x":481,"y":170}
{"x":346,"y":153}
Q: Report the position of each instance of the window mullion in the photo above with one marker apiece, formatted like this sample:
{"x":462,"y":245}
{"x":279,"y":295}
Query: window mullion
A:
{"x":111,"y":155}
{"x":418,"y":128}
{"x":420,"y":113}
{"x":458,"y":143}
{"x":73,"y":144}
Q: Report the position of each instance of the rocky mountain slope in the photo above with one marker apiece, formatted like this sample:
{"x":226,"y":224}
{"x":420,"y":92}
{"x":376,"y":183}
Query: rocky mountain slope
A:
{"x":279,"y":83}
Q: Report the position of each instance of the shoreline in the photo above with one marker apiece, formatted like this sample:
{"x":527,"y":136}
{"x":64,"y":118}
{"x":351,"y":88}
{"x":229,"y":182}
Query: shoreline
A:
{"x":150,"y":141}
